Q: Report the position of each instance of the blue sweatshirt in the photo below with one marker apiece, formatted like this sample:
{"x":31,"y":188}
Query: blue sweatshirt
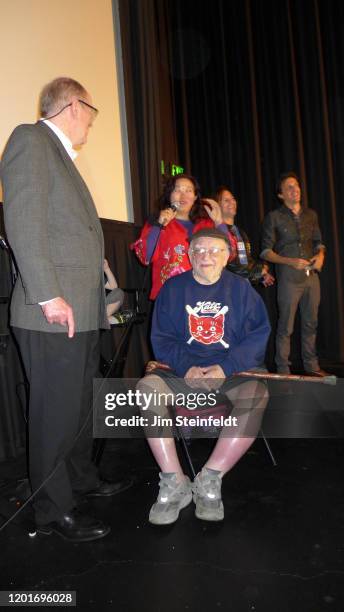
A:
{"x":222,"y":324}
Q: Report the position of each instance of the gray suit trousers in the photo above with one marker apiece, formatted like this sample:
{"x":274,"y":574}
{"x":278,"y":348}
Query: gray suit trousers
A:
{"x":290,"y":295}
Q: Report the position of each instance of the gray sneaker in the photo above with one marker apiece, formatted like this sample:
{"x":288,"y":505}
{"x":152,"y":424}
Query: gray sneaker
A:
{"x":207,"y":495}
{"x":173,"y":497}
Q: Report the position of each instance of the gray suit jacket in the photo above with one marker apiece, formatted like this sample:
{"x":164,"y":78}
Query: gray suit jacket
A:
{"x":54,"y":231}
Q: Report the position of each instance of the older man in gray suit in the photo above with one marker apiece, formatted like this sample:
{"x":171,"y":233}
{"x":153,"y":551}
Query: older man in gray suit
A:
{"x":58,"y":303}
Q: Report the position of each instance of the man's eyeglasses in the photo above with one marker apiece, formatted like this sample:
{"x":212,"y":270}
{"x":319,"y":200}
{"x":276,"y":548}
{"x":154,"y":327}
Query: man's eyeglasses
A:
{"x":212,"y":251}
{"x":93,"y":109}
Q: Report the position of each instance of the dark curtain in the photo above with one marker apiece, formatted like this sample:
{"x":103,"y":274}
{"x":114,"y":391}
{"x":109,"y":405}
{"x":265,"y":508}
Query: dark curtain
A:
{"x":259,"y":89}
{"x":12,"y":379}
{"x":149,"y":98}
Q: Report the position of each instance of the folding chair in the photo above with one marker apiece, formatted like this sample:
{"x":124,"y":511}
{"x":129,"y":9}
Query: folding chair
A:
{"x":180,"y":432}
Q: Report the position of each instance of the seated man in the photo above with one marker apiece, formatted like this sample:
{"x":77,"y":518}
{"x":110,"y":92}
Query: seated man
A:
{"x":208,"y":324}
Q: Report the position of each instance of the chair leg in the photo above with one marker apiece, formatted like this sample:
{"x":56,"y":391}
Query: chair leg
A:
{"x":181,"y":439}
{"x":268,"y":448}
{"x":98,"y":450}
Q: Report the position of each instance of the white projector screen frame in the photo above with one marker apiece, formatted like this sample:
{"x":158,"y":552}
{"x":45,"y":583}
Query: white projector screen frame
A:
{"x":81,"y":38}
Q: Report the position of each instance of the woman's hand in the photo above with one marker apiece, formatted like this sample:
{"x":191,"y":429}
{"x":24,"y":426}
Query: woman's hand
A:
{"x":166,"y":216}
{"x":214,"y":211}
{"x":267,"y":279}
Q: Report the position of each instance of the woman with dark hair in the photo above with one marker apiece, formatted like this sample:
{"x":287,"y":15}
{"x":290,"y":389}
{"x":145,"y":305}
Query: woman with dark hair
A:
{"x":164,"y":239}
{"x":243,"y":264}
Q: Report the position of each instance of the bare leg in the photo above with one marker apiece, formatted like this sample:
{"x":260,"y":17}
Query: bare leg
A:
{"x":163,"y":448}
{"x":249,"y":400}
{"x":112,"y":308}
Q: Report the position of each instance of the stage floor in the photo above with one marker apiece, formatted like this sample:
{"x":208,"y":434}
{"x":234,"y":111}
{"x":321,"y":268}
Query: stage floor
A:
{"x":280,"y":547}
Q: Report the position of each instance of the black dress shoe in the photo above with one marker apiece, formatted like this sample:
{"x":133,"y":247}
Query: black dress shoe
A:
{"x":107,"y":488}
{"x":76,"y":527}
{"x":319,"y":373}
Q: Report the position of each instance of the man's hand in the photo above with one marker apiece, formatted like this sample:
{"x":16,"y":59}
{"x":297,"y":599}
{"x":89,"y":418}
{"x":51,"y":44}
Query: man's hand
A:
{"x":298,"y":263}
{"x":199,"y":377}
{"x":58,"y":311}
{"x":214,"y":211}
{"x":216,"y":374}
{"x":317,"y":261}
{"x":193,"y":378}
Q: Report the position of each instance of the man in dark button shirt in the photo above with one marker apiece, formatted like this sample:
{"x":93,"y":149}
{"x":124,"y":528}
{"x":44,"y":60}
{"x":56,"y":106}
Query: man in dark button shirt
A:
{"x":292,"y":241}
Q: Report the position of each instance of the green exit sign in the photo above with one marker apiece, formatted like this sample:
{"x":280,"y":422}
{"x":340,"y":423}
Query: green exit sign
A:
{"x":170,"y":168}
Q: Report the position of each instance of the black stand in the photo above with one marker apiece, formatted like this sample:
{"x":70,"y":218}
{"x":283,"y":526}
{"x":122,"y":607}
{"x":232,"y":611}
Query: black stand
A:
{"x":114,"y":367}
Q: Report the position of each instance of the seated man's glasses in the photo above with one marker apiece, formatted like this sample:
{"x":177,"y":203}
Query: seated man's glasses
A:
{"x":212,"y":251}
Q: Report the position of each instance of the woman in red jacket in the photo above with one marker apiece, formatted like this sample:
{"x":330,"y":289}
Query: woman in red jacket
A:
{"x":164,"y":240}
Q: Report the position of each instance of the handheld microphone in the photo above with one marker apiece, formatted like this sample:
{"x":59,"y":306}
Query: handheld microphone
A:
{"x":175,"y":205}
